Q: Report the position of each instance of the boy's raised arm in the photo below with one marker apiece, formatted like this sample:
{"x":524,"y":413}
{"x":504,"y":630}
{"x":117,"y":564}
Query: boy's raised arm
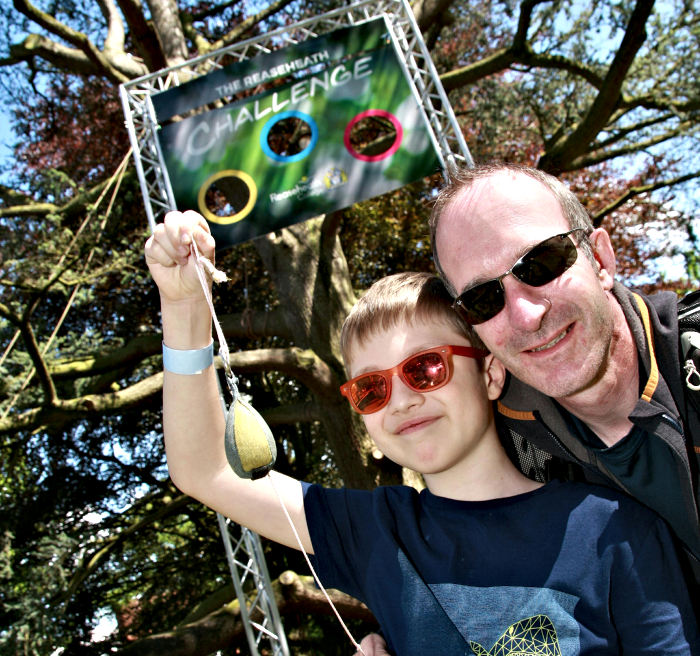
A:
{"x":193,"y":422}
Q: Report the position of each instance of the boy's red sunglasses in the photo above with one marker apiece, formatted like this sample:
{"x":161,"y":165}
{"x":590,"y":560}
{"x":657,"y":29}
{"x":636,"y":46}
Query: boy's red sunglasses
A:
{"x":422,"y":372}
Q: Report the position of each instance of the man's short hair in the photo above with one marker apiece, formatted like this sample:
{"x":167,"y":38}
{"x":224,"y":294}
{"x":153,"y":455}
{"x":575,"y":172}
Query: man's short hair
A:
{"x":464,"y":178}
{"x":403,"y":297}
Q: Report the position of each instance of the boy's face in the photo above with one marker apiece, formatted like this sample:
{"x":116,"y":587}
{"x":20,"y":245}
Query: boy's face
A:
{"x":432,"y":432}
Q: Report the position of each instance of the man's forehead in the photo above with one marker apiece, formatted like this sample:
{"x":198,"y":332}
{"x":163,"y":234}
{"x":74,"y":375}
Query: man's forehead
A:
{"x":492,"y":223}
{"x":504,"y":191}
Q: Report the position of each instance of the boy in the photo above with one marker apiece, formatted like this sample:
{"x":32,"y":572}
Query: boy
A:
{"x":485,"y":561}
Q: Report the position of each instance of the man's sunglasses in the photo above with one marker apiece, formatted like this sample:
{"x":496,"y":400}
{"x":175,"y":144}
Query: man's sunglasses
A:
{"x":423,"y":372}
{"x":541,"y":264}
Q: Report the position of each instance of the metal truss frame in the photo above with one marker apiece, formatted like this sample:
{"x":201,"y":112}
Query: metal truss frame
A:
{"x":244,"y":551}
{"x":251,"y":581}
{"x":142,"y":124}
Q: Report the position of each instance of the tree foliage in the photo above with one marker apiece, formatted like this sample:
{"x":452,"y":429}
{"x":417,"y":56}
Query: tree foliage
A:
{"x":603,"y":94}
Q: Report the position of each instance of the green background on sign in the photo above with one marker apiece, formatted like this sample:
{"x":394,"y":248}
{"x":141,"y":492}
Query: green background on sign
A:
{"x":385,"y":89}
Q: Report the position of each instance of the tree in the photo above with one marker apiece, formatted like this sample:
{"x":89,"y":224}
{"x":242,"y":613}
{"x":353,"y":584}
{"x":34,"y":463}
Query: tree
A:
{"x":89,"y":518}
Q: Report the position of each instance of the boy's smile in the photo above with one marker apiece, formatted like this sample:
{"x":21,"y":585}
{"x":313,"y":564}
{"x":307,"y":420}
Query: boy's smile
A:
{"x":442,"y":433}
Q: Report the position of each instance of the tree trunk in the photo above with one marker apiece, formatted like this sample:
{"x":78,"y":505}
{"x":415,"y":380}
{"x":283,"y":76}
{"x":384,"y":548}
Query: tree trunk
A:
{"x":310,"y":273}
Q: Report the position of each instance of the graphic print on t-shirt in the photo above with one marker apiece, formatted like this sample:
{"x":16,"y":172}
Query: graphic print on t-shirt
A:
{"x":534,"y":636}
{"x":499,"y":621}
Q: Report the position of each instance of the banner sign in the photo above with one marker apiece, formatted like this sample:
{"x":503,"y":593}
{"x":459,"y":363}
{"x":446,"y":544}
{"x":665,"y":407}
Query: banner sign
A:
{"x":249,"y":73}
{"x":224,"y":163}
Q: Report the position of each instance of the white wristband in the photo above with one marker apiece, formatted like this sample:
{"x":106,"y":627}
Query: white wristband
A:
{"x":188,"y":363}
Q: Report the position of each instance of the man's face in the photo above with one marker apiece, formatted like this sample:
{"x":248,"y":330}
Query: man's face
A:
{"x":555,"y":337}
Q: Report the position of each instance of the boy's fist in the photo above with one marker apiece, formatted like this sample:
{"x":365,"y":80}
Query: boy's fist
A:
{"x":168,"y":255}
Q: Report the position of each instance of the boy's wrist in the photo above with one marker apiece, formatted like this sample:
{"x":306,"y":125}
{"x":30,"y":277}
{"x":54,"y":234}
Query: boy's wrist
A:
{"x":186,"y":324}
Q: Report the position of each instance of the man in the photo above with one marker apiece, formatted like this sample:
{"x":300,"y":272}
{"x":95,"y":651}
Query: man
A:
{"x":595,"y":368}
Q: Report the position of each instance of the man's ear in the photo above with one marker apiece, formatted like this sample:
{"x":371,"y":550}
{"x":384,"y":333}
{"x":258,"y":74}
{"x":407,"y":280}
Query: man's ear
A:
{"x":494,"y":376}
{"x":604,"y":256}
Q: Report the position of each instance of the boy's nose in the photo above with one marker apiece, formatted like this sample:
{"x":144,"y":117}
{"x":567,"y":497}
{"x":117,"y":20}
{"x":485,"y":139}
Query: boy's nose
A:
{"x":402,"y":396}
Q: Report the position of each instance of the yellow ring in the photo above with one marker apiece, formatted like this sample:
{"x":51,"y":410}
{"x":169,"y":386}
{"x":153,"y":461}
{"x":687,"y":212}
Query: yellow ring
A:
{"x":233,"y":218}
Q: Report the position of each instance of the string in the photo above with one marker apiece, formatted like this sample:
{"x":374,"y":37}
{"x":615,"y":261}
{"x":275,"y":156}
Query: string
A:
{"x":311,"y":567}
{"x":119,"y":175}
{"x":202,"y":263}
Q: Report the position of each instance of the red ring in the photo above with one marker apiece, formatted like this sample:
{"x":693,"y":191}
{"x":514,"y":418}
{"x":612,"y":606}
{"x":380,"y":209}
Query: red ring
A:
{"x":388,"y":153}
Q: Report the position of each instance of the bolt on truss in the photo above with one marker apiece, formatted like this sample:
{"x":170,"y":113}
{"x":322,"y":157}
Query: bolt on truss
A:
{"x":412,"y":52}
{"x":251,"y":580}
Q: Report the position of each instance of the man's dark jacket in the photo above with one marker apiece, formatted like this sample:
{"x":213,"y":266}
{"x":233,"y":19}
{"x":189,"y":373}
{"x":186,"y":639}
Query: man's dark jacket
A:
{"x":663,"y":410}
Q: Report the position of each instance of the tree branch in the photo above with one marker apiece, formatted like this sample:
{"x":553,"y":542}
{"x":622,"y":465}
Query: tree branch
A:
{"x":34,"y":352}
{"x":560,"y":156}
{"x":62,"y":57}
{"x":89,"y":564}
{"x":70,"y":209}
{"x":113,"y":47}
{"x":305,"y":366}
{"x":143,"y":34}
{"x":495,"y":63}
{"x":169,"y":30}
{"x":219,"y":630}
{"x":593,"y":159}
{"x":77,"y":39}
{"x":524,"y":21}
{"x":532,"y":59}
{"x":115,"y":28}
{"x":214,"y":10}
{"x":653,"y":102}
{"x":520,"y":52}
{"x":293,"y":414}
{"x":235,"y":326}
{"x":636,"y":191}
{"x":84,"y":406}
{"x":12,"y":197}
{"x":248,"y":24}
{"x":621,"y":133}
{"x":429,"y":12}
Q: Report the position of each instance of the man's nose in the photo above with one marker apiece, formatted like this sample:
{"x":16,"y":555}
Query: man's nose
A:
{"x":526,"y":306}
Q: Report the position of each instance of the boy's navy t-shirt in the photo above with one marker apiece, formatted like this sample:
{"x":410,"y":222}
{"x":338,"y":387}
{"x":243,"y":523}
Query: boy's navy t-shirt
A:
{"x":568,"y":569}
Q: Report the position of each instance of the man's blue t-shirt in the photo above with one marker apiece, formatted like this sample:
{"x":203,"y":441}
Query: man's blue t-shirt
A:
{"x":566,"y":570}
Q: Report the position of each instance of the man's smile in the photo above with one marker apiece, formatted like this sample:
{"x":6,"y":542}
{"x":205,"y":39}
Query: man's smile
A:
{"x":554,"y":341}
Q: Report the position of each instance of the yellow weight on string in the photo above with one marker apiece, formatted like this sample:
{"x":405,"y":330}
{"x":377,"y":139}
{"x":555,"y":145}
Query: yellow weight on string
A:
{"x":250,"y":447}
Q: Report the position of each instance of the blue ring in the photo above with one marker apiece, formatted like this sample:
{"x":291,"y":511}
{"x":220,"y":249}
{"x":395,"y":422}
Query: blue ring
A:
{"x":280,"y":117}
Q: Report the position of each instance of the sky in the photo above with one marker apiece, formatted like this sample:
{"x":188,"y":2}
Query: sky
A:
{"x":6,"y":139}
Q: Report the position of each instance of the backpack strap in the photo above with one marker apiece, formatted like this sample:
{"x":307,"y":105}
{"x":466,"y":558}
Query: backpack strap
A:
{"x":689,"y":334}
{"x":653,"y":380}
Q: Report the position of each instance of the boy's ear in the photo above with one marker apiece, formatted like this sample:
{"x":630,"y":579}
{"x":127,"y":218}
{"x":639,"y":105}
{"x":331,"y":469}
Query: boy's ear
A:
{"x":494,"y":376}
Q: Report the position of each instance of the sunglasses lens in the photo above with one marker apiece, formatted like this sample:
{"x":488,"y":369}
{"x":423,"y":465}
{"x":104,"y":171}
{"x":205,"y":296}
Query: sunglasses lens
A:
{"x":546,"y":262}
{"x":425,"y":371}
{"x":481,"y":303}
{"x":369,"y":393}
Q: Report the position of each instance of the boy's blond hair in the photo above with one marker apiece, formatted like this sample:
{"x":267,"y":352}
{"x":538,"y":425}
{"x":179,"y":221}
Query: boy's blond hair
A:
{"x":401,"y":297}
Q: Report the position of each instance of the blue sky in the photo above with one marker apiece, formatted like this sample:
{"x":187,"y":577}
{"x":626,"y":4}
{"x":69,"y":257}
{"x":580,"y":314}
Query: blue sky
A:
{"x":6,"y":139}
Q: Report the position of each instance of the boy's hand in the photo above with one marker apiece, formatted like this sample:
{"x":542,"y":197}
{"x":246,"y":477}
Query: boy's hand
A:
{"x":373,"y":645}
{"x":168,"y":255}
